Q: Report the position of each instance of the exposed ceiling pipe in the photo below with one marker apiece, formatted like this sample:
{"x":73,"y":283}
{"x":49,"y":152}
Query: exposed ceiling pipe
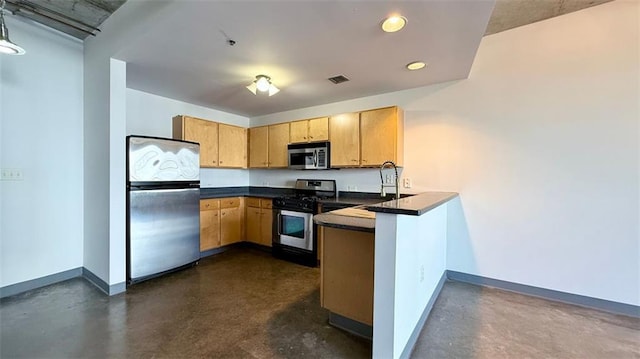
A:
{"x":27,"y":9}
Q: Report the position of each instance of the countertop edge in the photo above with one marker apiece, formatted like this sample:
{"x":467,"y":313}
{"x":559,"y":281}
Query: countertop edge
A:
{"x":340,"y":224}
{"x":416,"y":205}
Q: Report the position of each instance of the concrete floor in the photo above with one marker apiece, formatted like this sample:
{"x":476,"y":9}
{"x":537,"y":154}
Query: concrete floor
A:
{"x":245,"y":304}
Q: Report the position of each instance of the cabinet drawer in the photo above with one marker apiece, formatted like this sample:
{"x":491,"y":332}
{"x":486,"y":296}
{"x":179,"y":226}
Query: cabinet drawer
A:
{"x":230,"y":202}
{"x":253,"y":202}
{"x":266,"y":203}
{"x":207,"y":204}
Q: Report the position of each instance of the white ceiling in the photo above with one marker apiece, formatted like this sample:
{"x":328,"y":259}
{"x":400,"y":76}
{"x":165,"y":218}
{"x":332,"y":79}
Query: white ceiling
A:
{"x":300,"y":44}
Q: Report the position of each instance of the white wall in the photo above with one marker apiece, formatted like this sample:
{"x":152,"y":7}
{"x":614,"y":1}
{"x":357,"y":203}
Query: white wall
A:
{"x":41,"y":220}
{"x":542,"y":144}
{"x":150,"y":115}
{"x":410,"y":260}
{"x":104,"y":130}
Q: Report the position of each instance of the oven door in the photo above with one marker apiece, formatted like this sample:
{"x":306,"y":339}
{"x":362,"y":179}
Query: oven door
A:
{"x":294,"y":229}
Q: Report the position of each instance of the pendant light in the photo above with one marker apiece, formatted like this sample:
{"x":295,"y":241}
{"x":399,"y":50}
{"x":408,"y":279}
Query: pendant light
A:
{"x":6,"y":46}
{"x":263,"y":84}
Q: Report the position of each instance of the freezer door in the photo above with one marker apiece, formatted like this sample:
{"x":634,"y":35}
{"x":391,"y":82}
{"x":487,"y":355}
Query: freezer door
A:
{"x":162,"y":160}
{"x":164,"y":230}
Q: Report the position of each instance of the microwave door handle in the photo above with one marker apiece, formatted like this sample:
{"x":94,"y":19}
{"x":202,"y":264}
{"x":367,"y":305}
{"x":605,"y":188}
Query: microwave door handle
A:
{"x":315,"y":158}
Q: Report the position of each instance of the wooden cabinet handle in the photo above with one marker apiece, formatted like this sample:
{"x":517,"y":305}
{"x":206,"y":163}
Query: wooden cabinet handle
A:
{"x":364,"y":160}
{"x":311,"y":137}
{"x":304,"y":137}
{"x":354,"y":160}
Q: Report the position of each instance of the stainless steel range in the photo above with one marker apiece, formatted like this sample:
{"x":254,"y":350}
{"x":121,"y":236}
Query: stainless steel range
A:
{"x":294,"y":233}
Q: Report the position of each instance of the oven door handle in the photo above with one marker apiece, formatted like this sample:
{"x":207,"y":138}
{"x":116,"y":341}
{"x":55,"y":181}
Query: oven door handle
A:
{"x":279,"y":218}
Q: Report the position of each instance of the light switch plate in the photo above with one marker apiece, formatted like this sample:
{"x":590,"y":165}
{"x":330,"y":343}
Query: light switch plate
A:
{"x":12,"y":174}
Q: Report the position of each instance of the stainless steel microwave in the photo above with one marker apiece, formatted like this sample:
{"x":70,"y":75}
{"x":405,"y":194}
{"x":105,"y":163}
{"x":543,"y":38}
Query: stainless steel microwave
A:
{"x":310,"y":156}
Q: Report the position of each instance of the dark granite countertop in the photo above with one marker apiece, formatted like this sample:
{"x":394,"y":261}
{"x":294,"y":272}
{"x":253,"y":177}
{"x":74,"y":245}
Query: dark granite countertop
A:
{"x":246,"y":191}
{"x":415,"y":205}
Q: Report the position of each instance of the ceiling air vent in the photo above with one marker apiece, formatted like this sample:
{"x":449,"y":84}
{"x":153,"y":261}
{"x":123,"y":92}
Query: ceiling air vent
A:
{"x":338,"y":79}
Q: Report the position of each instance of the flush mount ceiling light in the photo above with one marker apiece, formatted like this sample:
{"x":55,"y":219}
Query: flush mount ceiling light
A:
{"x":394,"y":23}
{"x":263,"y":84}
{"x":416,"y":65}
{"x":6,"y":46}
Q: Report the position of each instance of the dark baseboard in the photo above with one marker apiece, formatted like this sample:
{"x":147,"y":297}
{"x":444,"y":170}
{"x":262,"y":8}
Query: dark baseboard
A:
{"x":352,"y":326}
{"x":408,"y":348}
{"x":581,"y":300}
{"x":28,"y":285}
{"x":102,"y":285}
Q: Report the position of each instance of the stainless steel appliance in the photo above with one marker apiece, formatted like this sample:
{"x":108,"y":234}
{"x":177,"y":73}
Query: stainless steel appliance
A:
{"x":294,"y":233}
{"x":310,"y":156}
{"x":163,"y":206}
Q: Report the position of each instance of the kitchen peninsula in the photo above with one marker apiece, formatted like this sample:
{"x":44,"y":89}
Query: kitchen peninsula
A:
{"x":385,"y":293}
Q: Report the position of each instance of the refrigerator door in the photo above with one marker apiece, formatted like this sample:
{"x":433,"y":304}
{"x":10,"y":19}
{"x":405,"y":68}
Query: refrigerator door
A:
{"x":162,"y":160}
{"x":164,"y":230}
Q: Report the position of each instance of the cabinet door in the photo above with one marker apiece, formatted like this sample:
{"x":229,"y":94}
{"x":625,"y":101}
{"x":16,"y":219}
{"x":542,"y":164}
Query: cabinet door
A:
{"x":278,"y":140}
{"x":253,"y":224}
{"x":230,"y":226}
{"x":378,"y":133}
{"x":232,"y":150}
{"x":266,"y":222}
{"x":209,"y":224}
{"x":206,"y":134}
{"x":299,"y":131}
{"x":209,"y":229}
{"x":345,"y":140}
{"x":258,"y":147}
{"x":319,"y":129}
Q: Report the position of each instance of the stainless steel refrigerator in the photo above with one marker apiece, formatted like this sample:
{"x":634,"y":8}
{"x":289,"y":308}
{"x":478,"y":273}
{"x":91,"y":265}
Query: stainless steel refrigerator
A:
{"x":163,"y":206}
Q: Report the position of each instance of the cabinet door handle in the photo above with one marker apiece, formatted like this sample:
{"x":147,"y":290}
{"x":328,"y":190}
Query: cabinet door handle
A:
{"x":304,"y":137}
{"x":220,"y":162}
{"x":354,"y":160}
{"x":311,"y":137}
{"x":364,"y":160}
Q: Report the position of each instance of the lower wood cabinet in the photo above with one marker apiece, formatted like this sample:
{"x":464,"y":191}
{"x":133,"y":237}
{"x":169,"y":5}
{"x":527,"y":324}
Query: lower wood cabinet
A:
{"x":346,"y":274}
{"x":209,"y":224}
{"x":220,"y":222}
{"x":230,"y":220}
{"x":259,"y":221}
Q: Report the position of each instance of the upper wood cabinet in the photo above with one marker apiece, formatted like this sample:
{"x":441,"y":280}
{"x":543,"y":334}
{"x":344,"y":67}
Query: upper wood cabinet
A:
{"x":278,"y":140}
{"x":345,"y":140}
{"x":268,"y":146}
{"x":259,"y":147}
{"x":381,"y":136}
{"x":232,"y":142}
{"x":316,"y":129}
{"x":221,"y":145}
{"x":202,"y":131}
{"x":368,"y":138}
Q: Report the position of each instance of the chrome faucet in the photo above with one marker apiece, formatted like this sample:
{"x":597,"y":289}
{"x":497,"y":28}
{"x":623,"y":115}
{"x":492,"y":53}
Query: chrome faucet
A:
{"x":383,"y":185}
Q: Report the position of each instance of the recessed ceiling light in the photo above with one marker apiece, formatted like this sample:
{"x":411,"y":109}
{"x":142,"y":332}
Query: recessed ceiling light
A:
{"x":416,"y":65}
{"x":394,"y":23}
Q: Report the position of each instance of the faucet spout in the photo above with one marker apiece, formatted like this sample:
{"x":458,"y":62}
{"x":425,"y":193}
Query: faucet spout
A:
{"x":389,"y":164}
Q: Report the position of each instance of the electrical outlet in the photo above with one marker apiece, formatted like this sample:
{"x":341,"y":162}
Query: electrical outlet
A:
{"x":388,"y":179}
{"x":406,"y":182}
{"x":12,"y":174}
